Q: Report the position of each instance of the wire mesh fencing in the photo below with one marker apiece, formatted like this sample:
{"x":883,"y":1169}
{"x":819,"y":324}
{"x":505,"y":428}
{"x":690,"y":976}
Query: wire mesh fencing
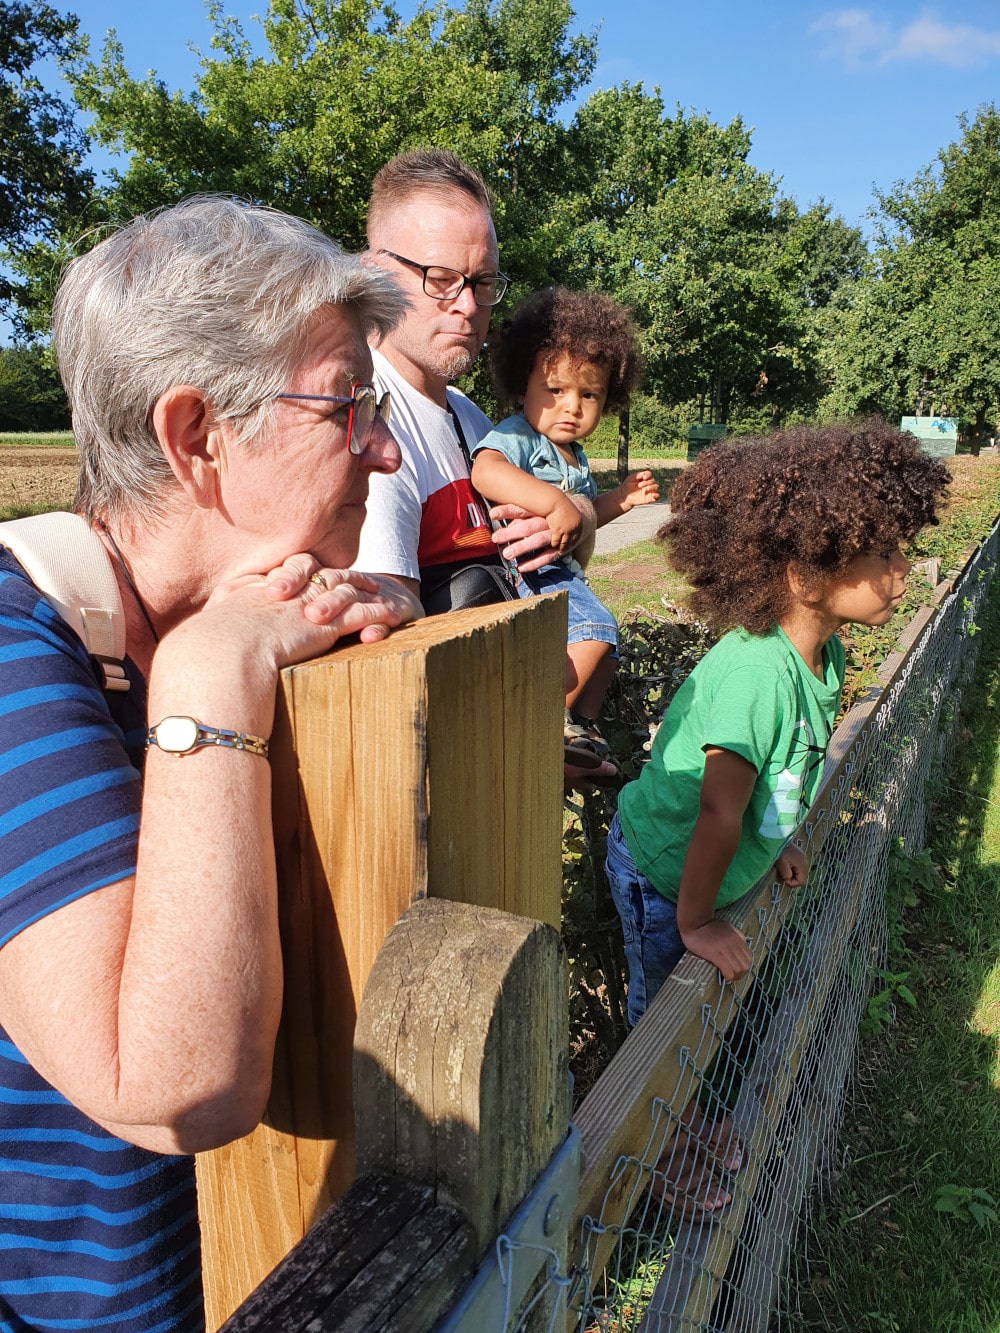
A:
{"x":704,"y":1135}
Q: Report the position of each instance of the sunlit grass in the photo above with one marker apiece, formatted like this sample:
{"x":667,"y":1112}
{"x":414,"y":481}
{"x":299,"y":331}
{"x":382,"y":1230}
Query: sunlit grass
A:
{"x":60,"y":439}
{"x":928,"y":1117}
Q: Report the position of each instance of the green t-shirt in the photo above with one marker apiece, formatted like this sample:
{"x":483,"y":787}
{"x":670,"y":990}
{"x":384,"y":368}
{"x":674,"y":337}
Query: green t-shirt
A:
{"x":754,"y":695}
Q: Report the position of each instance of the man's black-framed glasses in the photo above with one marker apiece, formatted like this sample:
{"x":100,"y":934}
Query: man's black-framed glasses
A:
{"x":365,"y":406}
{"x":447,"y":284}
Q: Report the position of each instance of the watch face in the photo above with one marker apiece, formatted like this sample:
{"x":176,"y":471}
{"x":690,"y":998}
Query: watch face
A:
{"x":177,"y":735}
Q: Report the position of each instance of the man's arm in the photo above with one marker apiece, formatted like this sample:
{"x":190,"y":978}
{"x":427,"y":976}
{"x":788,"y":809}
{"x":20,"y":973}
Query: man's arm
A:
{"x":501,"y":481}
{"x":527,"y":539}
{"x":726,"y":788}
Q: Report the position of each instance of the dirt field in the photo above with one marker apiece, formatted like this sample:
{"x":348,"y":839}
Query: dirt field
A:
{"x":37,"y":477}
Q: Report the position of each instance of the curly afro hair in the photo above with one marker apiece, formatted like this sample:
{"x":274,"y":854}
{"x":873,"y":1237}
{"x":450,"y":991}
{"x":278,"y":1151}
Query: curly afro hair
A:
{"x":585,"y":326}
{"x":815,"y":497}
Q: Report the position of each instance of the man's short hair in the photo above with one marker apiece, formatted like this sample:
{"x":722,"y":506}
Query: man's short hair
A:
{"x":424,"y":171}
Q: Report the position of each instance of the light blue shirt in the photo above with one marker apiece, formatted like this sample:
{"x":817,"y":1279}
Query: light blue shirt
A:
{"x":530,"y":451}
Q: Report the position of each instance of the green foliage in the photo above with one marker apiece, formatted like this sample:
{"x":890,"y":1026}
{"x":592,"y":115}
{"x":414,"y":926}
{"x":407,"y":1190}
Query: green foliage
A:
{"x":909,"y":876}
{"x":43,"y":183}
{"x":967,"y":1203}
{"x":344,"y":85}
{"x":879,"y":1012}
{"x":728,"y":280}
{"x":723,"y":276}
{"x":655,"y":428}
{"x":31,"y":395}
{"x":917,"y":334}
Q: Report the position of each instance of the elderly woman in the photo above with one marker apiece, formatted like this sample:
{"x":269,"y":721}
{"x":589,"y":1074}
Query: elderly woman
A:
{"x":217,"y":365}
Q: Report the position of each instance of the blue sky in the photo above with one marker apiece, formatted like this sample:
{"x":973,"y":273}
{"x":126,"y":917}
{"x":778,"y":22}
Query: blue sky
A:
{"x":841,"y":99}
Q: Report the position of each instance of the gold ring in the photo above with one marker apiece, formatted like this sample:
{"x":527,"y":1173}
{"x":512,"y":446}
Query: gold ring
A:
{"x":320,"y":580}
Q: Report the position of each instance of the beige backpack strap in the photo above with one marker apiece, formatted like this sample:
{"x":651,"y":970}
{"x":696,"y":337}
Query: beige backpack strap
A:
{"x":67,"y":562}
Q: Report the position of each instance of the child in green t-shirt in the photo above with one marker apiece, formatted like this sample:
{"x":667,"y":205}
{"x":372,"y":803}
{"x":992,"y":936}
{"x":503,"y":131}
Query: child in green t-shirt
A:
{"x":784,"y":540}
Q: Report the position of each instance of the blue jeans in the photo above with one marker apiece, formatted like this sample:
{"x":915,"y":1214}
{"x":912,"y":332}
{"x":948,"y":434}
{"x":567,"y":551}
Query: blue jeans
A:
{"x":653,"y":945}
{"x":589,"y":619}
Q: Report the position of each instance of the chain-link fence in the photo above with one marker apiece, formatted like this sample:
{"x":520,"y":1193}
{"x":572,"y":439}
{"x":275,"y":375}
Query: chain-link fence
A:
{"x":714,"y":1197}
{"x":678,"y":1196}
{"x":702,"y":1139}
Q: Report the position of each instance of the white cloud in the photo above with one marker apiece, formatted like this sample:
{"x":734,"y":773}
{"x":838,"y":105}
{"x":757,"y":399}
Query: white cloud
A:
{"x":859,"y":38}
{"x":960,"y":45}
{"x":852,"y":35}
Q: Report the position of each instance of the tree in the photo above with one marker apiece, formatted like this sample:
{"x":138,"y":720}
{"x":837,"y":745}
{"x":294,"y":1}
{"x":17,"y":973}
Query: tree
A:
{"x":43,"y":183}
{"x":345,"y":85}
{"x":31,"y":396}
{"x":722,"y":274}
{"x":919,"y":333}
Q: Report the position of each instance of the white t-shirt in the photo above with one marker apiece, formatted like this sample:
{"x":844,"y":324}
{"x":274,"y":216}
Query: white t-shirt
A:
{"x":426,"y":513}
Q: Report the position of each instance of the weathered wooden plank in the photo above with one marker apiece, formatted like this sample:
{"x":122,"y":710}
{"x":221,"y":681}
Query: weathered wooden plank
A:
{"x":383,"y":1246}
{"x":410,"y":1284}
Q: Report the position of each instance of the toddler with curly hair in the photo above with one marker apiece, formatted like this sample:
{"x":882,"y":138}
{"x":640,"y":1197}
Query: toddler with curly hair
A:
{"x":560,"y":362}
{"x":783,"y":540}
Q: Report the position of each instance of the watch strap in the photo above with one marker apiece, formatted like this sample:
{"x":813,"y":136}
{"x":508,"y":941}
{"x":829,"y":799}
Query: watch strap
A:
{"x":223,"y":737}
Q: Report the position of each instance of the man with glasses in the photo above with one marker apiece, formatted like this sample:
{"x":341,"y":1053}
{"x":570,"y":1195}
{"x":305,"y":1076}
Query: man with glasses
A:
{"x":430,"y":226}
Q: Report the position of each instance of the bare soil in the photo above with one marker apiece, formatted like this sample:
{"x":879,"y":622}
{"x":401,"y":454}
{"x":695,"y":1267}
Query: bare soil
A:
{"x":37,"y":478}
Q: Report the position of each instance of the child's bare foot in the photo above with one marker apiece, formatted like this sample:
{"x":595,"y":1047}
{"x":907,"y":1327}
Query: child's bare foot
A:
{"x":684,"y":1180}
{"x":717,"y":1136}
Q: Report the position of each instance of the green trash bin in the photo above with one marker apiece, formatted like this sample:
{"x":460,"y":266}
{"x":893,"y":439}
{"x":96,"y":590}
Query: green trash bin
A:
{"x":938,"y":436}
{"x":700,"y":436}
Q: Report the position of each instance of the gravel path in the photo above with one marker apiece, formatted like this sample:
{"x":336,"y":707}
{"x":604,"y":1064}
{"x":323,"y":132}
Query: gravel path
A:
{"x":634,"y":526}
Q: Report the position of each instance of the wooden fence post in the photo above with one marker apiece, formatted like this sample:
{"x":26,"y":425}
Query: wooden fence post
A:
{"x":461,"y":1097}
{"x":430,"y":764}
{"x":461,"y":1065}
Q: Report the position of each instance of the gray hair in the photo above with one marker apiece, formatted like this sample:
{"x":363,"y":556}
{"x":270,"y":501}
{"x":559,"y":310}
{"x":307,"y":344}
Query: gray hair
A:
{"x":423,"y":171}
{"x":212,"y":293}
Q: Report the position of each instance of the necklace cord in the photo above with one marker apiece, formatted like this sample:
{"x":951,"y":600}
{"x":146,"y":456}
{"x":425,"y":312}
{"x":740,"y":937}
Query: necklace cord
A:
{"x":129,"y":580}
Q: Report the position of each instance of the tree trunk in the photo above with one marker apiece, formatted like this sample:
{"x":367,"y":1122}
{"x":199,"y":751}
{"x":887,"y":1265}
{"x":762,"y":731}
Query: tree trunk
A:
{"x":623,"y":444}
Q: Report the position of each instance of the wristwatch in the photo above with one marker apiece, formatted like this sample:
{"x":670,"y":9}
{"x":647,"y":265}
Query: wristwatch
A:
{"x":182,"y":735}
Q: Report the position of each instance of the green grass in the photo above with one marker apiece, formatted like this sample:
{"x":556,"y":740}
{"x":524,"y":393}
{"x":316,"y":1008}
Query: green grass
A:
{"x":635,"y":580}
{"x":59,"y":439}
{"x":974,"y":502}
{"x":926,"y":1130}
{"x":604,"y":444}
{"x":22,"y":511}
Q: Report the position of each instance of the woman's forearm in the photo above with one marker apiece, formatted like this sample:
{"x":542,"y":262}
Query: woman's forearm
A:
{"x":152,"y":1003}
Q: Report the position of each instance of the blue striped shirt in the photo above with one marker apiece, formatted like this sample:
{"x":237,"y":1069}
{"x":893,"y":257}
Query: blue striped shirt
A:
{"x":95,"y":1233}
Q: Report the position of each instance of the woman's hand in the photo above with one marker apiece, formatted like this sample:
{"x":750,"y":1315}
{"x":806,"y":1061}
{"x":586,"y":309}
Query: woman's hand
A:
{"x":348,"y":601}
{"x":230,"y":652}
{"x":299,"y":610}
